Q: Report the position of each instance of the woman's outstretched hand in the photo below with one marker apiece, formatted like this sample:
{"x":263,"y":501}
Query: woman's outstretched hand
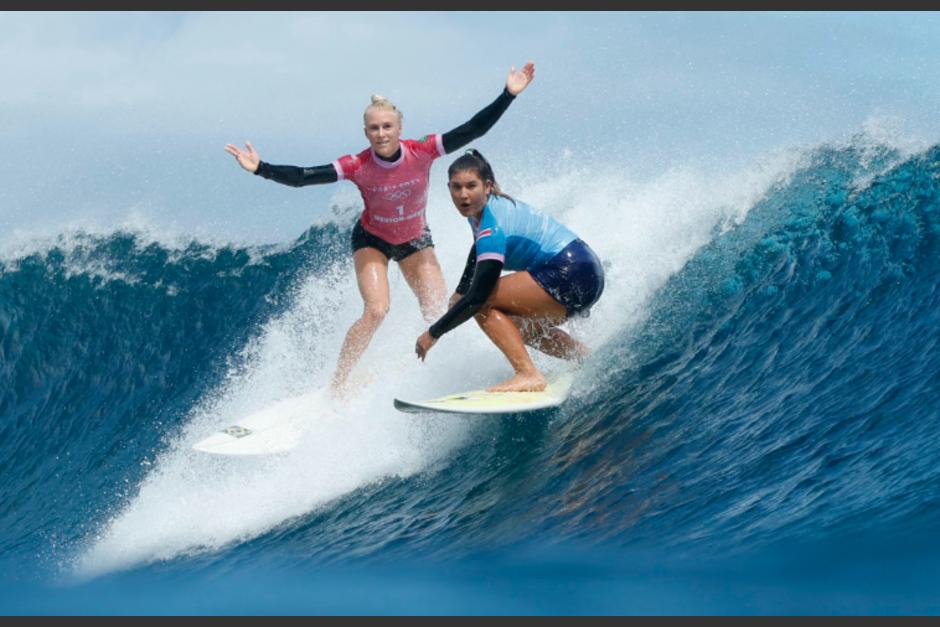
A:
{"x":423,"y":345}
{"x":520,"y":79}
{"x":248,"y":160}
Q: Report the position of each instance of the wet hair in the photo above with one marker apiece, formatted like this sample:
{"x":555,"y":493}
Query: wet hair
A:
{"x":471,"y":159}
{"x":381,"y":102}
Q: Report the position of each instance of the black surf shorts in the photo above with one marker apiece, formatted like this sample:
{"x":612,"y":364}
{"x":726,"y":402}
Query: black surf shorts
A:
{"x":361,"y":238}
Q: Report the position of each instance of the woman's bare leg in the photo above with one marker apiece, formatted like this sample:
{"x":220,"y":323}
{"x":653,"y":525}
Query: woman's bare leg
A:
{"x":518,"y":295}
{"x":372,"y":278}
{"x":425,"y":278}
{"x":551,"y":340}
{"x":503,"y":332}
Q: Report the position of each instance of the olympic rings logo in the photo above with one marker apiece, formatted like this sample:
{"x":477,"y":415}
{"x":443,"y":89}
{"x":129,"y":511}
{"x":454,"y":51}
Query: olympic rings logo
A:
{"x":400,"y":194}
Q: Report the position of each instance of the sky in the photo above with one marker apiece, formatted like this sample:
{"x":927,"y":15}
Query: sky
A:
{"x":119,"y":118}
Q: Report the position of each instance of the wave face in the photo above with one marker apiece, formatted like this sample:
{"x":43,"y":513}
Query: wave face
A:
{"x":107,"y":342}
{"x":779,"y":390}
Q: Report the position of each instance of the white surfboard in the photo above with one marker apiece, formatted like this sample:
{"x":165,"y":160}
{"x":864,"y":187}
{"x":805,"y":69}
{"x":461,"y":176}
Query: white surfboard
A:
{"x":483,"y":402}
{"x":275,"y":429}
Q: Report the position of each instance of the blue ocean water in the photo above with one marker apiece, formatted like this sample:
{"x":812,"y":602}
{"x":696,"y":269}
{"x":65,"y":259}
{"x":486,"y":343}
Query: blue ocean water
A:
{"x":763,"y":440}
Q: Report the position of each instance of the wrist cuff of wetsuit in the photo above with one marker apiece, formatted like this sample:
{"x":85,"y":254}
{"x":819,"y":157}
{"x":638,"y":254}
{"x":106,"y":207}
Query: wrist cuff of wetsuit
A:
{"x":258,"y":171}
{"x":433,"y":332}
{"x":508,"y":93}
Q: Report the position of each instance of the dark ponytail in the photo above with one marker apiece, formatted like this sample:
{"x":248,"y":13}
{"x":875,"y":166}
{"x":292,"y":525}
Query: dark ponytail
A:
{"x":471,"y":159}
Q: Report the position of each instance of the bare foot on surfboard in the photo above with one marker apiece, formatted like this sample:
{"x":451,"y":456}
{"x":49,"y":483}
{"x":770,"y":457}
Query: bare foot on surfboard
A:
{"x":520,"y":383}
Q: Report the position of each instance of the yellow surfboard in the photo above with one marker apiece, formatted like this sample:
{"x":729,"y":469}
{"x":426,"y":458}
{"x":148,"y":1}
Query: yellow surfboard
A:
{"x":483,"y":402}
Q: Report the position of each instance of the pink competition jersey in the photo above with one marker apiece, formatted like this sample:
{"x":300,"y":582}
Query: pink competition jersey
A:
{"x":395,"y":193}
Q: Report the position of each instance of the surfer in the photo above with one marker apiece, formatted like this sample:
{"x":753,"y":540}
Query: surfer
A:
{"x":557,"y":276}
{"x":392,"y":177}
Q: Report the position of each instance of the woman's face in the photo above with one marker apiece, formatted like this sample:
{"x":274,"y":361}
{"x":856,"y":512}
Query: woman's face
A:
{"x":469,"y":192}
{"x":383,"y":131}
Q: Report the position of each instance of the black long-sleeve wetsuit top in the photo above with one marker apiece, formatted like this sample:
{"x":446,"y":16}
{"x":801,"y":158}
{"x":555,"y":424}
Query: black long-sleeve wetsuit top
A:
{"x":459,"y":137}
{"x":476,"y":285}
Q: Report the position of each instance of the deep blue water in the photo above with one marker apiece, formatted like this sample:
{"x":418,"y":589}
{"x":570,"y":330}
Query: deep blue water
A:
{"x":766,"y":441}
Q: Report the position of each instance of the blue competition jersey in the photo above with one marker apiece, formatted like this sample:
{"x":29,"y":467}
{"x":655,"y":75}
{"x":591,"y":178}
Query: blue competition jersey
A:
{"x":518,"y":235}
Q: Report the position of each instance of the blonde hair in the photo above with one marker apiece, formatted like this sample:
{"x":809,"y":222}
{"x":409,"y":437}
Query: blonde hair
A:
{"x":381,"y":102}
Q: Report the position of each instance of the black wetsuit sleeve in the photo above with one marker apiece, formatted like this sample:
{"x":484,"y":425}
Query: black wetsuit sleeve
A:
{"x":467,"y":275}
{"x":296,"y":176}
{"x":478,"y":125}
{"x":485,"y":276}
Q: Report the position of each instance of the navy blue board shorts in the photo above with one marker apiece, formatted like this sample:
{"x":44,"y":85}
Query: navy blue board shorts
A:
{"x":574,"y":277}
{"x":361,"y":238}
